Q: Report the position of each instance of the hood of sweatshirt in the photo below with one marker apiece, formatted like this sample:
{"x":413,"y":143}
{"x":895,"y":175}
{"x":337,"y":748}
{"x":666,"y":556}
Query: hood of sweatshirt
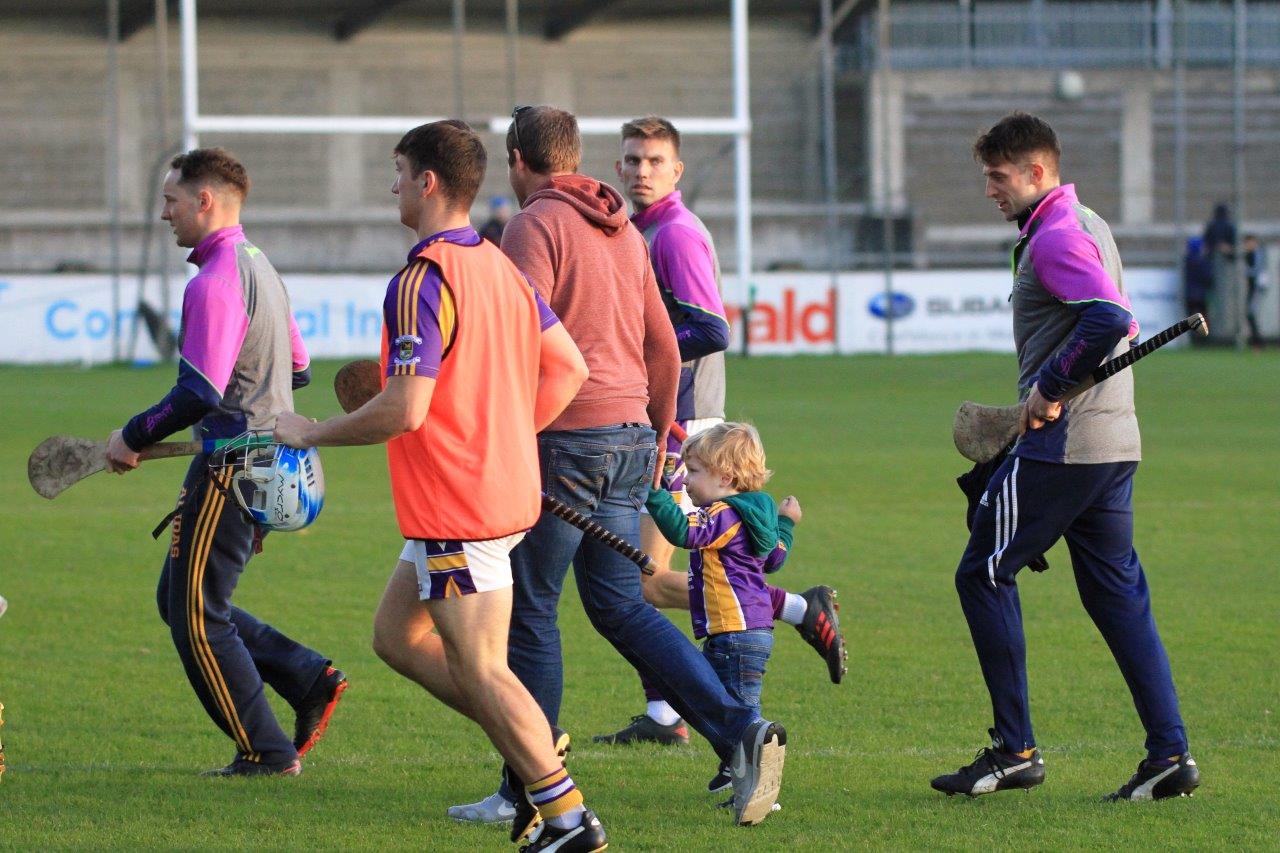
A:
{"x":759,"y":516}
{"x":599,"y":204}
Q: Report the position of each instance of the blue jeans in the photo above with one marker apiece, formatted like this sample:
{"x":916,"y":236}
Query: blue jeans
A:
{"x":738,"y":657}
{"x":604,"y":473}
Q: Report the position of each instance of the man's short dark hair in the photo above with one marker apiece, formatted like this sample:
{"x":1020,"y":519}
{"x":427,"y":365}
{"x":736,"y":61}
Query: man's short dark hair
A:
{"x":452,"y":150}
{"x":548,"y":140}
{"x":211,"y":166}
{"x":652,"y":127}
{"x":1014,"y":138}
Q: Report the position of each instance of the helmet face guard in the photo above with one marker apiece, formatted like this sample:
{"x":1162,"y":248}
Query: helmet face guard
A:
{"x":278,"y":487}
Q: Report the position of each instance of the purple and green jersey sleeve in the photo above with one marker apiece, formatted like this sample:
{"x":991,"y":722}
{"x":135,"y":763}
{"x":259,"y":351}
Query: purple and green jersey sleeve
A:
{"x":786,"y":533}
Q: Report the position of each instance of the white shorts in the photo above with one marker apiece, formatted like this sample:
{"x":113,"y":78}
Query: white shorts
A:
{"x":448,"y":568}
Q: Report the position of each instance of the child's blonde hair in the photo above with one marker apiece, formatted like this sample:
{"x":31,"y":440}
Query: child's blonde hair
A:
{"x":731,"y":449}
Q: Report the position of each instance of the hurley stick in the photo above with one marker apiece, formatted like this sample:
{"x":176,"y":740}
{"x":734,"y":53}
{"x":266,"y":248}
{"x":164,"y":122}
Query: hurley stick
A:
{"x":358,"y":382}
{"x":61,"y":461}
{"x":981,"y":432}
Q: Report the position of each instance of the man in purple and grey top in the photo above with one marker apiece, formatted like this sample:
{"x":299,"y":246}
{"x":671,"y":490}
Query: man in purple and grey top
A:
{"x":688,"y":273}
{"x":241,"y":358}
{"x":1069,"y":476}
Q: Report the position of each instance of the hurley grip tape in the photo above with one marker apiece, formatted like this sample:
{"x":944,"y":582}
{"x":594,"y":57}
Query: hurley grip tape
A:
{"x":586,"y":525}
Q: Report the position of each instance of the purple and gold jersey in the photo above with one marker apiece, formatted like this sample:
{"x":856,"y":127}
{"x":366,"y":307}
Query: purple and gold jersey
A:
{"x":734,"y":543}
{"x":420,"y":314}
{"x":726,"y":580}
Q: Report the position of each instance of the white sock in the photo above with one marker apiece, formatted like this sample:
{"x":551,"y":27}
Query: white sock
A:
{"x":794,"y":608}
{"x":568,"y":820}
{"x":661,"y":713}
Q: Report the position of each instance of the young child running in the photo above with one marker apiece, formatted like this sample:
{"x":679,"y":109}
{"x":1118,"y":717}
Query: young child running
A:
{"x":737,"y":535}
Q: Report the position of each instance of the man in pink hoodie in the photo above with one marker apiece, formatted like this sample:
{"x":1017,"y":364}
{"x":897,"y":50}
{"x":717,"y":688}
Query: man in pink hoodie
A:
{"x":573,"y":240}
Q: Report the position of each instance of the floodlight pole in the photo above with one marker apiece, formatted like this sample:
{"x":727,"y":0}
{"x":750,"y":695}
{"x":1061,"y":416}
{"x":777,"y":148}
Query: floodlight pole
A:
{"x":513,"y":33}
{"x":190,"y":70}
{"x":113,"y":166}
{"x":886,"y":191}
{"x":162,"y":128}
{"x":829,"y":166}
{"x":742,"y":155}
{"x":1240,"y":297}
{"x":459,"y":35}
{"x":1179,"y":38}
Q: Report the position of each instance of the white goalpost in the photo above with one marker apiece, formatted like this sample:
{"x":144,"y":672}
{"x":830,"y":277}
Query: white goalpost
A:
{"x":738,"y":125}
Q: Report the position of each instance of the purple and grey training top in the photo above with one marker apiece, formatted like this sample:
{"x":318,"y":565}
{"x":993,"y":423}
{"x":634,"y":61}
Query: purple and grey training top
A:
{"x":684,"y":261}
{"x":1070,"y":313}
{"x":241,"y":354}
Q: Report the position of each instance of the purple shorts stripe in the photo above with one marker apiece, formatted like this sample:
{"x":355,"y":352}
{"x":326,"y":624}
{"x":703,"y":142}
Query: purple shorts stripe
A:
{"x":450,"y":583}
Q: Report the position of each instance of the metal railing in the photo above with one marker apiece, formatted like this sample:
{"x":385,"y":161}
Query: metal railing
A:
{"x":1043,"y":34}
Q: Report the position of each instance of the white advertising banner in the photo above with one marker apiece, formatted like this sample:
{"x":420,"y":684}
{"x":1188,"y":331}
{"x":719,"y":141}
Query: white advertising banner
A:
{"x":68,"y":318}
{"x":61,"y":318}
{"x":930,"y":310}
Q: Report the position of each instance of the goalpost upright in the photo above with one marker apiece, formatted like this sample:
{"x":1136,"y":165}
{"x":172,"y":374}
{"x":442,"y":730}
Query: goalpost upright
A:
{"x":738,"y":125}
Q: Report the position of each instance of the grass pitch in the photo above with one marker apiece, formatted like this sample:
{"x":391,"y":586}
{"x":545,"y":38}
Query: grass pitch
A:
{"x":105,"y":739}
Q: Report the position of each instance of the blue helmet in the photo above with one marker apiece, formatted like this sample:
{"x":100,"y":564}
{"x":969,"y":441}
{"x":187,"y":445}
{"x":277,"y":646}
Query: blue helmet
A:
{"x":280,"y":487}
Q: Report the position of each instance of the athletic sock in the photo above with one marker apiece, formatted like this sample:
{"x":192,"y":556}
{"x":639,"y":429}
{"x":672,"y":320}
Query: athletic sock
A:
{"x":661,"y":712}
{"x":1026,"y":753}
{"x":793,"y":611}
{"x":557,"y":799}
{"x":569,"y":819}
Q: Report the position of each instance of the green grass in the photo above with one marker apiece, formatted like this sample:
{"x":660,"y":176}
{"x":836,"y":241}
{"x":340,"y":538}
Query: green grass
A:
{"x":104,"y":737}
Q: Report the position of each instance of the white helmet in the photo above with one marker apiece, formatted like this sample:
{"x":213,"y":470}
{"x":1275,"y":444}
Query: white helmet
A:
{"x":280,"y":487}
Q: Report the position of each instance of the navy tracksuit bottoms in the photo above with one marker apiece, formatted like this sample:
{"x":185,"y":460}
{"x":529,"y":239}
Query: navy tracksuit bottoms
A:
{"x":1027,"y":506}
{"x":227,"y":652}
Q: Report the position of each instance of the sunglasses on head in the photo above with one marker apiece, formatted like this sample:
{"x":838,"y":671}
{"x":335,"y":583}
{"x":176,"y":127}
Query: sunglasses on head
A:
{"x":515,"y":125}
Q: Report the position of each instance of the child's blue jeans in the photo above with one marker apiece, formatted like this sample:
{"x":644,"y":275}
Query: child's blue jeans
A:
{"x":739,"y":657}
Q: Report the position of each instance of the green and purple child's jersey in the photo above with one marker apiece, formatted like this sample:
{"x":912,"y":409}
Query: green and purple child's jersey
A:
{"x":735,"y":542}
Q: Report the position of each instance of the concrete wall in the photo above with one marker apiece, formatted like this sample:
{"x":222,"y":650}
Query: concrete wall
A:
{"x":1117,"y":147}
{"x":323,"y":202}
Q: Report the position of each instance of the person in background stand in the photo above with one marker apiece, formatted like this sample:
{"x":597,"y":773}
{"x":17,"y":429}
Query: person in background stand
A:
{"x":499,"y":216}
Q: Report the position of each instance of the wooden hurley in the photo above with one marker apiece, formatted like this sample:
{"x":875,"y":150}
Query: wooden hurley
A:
{"x":61,"y":461}
{"x":981,"y":432}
